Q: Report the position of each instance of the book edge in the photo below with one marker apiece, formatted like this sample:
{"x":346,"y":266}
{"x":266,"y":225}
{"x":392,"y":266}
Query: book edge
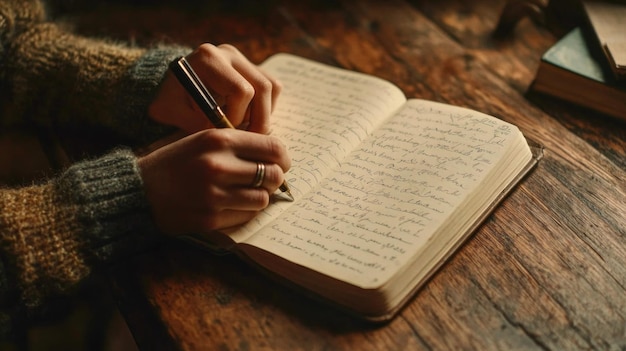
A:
{"x":537,"y":151}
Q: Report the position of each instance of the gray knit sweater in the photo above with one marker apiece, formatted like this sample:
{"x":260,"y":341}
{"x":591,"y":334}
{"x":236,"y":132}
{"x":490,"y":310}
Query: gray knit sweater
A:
{"x":54,"y":233}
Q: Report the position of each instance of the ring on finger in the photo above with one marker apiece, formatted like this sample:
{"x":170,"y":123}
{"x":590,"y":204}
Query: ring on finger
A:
{"x":259,"y":176}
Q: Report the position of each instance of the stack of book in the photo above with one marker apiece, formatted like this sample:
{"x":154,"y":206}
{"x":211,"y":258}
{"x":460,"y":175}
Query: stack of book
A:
{"x":580,"y":69}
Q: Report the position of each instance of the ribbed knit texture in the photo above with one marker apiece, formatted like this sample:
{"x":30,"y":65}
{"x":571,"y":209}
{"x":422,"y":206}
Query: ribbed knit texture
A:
{"x":139,"y":88}
{"x":58,"y":78}
{"x":52,"y":235}
{"x":110,"y":205}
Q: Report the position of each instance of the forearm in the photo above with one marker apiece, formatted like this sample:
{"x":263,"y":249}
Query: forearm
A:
{"x":54,"y":77}
{"x":61,"y":78}
{"x":52,"y":235}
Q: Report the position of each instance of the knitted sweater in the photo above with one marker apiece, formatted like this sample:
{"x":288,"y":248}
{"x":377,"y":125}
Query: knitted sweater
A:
{"x":53,"y":234}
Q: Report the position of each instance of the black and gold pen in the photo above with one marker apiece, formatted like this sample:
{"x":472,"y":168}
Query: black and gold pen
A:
{"x":189,"y":79}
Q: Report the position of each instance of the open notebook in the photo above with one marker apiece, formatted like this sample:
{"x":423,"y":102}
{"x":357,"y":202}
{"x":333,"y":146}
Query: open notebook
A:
{"x":385,"y":188}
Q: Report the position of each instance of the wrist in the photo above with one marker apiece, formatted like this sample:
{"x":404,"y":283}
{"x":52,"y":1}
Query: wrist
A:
{"x":112,"y":207}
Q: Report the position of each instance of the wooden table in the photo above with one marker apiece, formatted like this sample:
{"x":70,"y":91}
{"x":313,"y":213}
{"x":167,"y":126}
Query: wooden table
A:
{"x":546,"y":271}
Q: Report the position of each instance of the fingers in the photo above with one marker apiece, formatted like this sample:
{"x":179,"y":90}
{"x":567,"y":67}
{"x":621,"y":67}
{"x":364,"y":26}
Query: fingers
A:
{"x":245,"y":146}
{"x":239,"y":173}
{"x":248,"y":93}
{"x":204,"y":181}
{"x":236,"y":160}
{"x":239,"y":199}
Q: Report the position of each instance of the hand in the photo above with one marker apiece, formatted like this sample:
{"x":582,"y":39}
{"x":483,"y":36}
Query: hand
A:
{"x":202,"y":182}
{"x":246,"y":94}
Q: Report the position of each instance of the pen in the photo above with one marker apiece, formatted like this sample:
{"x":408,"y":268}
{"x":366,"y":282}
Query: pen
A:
{"x":201,"y":95}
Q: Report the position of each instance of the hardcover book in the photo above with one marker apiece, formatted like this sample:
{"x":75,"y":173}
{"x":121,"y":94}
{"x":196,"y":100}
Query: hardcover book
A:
{"x":608,"y":20}
{"x":574,"y":70}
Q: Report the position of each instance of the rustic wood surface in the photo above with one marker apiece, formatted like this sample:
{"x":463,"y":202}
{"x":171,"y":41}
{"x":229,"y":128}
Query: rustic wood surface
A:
{"x":546,"y":271}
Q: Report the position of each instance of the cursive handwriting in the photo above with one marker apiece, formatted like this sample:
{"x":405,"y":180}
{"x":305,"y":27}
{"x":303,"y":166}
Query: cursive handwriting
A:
{"x":375,"y":190}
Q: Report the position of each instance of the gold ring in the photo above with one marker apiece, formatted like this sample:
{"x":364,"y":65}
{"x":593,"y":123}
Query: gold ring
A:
{"x":259,"y":177}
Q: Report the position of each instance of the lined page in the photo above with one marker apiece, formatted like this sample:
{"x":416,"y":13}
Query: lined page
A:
{"x":388,"y":197}
{"x":322,"y":114}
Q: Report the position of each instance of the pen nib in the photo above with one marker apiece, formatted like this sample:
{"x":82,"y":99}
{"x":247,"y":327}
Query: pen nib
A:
{"x":283,"y":196}
{"x":286,"y":192}
{"x":289,"y":196}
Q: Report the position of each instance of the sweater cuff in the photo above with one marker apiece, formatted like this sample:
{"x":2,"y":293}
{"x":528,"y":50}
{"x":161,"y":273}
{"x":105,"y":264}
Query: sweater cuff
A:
{"x":144,"y":79}
{"x":112,"y":207}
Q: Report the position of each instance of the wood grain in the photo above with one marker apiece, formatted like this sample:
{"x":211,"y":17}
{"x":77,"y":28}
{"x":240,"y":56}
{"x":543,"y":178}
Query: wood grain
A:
{"x":546,"y":271}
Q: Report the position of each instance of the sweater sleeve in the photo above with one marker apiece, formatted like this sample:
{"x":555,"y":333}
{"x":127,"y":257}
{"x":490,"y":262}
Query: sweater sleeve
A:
{"x":56,"y":77}
{"x":52,"y":235}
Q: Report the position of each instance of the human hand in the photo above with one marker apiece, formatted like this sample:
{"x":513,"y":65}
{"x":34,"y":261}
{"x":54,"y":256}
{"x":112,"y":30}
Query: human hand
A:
{"x":246,"y":94}
{"x":202,"y":182}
